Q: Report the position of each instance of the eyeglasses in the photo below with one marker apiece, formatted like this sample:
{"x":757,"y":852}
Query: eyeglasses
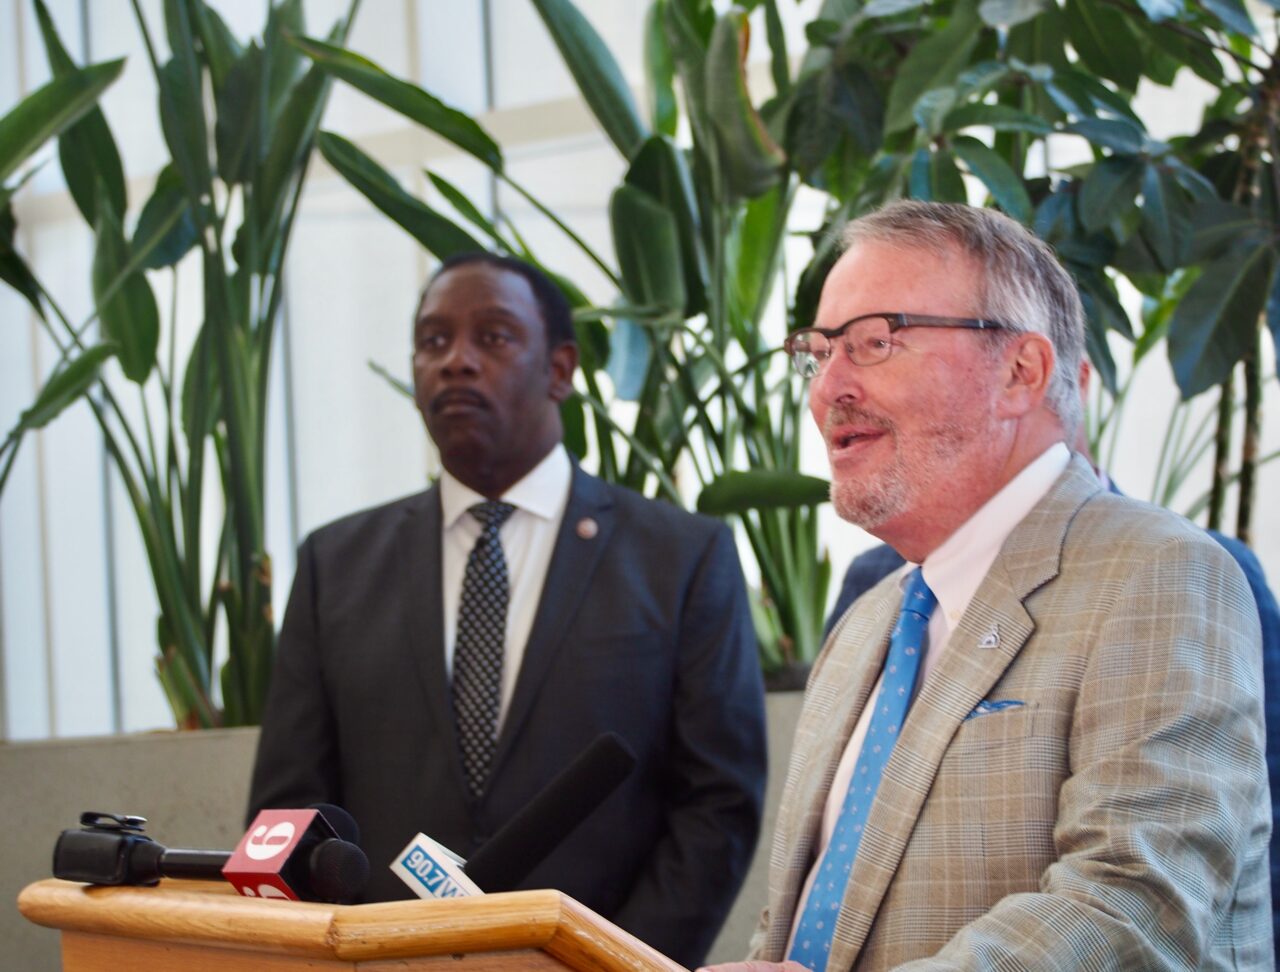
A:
{"x":866,"y":338}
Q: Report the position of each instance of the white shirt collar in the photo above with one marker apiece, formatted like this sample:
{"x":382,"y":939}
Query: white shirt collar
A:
{"x":955,"y":571}
{"x":541,"y":492}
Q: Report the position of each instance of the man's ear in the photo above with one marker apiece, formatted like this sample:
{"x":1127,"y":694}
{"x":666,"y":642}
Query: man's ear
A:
{"x":1027,"y":366}
{"x":563,"y":360}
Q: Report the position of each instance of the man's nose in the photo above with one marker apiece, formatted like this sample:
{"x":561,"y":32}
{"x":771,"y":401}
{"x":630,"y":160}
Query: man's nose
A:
{"x":459,"y":358}
{"x":839,"y":380}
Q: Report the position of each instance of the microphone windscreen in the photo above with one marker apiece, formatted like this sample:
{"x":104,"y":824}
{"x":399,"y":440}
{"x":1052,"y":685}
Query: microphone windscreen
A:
{"x":533,"y":833}
{"x":343,"y":824}
{"x":339,"y":871}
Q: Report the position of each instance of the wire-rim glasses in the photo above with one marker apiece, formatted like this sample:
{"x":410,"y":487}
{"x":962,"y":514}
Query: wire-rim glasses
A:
{"x":866,"y":338}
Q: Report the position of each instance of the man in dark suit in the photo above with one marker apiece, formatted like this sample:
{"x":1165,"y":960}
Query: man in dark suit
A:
{"x":622,"y":614}
{"x":872,"y":566}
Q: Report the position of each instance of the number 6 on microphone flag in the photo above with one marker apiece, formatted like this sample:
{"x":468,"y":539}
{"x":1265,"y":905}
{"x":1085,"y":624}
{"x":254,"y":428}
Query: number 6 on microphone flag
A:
{"x":261,"y":864}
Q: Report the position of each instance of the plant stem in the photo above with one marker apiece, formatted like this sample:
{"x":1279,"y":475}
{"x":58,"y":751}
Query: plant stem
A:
{"x":1221,"y":452}
{"x":1249,"y":444}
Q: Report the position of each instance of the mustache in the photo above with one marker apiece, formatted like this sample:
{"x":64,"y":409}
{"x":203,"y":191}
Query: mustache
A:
{"x":839,"y":415}
{"x":452,"y":396}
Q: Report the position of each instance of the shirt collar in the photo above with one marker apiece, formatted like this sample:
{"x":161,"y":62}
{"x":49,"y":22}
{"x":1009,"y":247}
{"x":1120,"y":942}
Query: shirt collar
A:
{"x":541,"y":492}
{"x":955,"y":571}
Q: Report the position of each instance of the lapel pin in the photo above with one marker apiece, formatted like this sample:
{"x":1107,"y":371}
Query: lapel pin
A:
{"x":587,"y":528}
{"x":991,"y":639}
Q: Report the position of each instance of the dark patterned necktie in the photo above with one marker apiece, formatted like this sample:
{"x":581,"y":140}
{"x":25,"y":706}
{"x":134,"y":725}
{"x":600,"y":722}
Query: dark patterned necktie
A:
{"x":477,"y":655}
{"x":812,"y":944}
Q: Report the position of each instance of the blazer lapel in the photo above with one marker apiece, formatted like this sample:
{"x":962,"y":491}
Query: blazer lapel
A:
{"x":838,"y":691}
{"x":573,"y":562}
{"x":992,"y":632}
{"x":424,"y":617}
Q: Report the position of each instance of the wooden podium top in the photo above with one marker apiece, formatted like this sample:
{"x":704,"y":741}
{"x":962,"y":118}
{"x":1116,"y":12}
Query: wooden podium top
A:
{"x":194,"y":913}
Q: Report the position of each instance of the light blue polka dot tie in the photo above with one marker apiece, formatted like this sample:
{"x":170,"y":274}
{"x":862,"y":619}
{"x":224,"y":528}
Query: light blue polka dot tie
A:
{"x":812,"y":943}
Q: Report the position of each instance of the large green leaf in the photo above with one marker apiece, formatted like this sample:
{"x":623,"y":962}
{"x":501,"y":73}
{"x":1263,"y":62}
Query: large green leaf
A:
{"x":935,"y":177}
{"x":1187,"y":46}
{"x":220,"y":47}
{"x":1004,"y":184}
{"x":405,"y":98}
{"x":1217,"y":225}
{"x":630,"y":352}
{"x":289,"y":143}
{"x":751,"y":160}
{"x":660,"y":70}
{"x":166,"y":230}
{"x":182,"y":117}
{"x":129,"y":318}
{"x":1010,"y":13}
{"x":239,"y":127}
{"x":779,"y":63}
{"x":86,"y":150}
{"x":853,"y":100}
{"x":934,"y":62}
{"x":1166,"y":218}
{"x":64,"y":387}
{"x":1216,"y":323}
{"x":1105,"y":42}
{"x":752,"y":259}
{"x":761,"y":489}
{"x":597,"y":74}
{"x":1109,"y":191}
{"x":646,"y":239}
{"x":440,"y":235}
{"x":1233,"y":15}
{"x":1000,"y":118}
{"x":1117,"y":134}
{"x":49,"y":110}
{"x":1159,"y":10}
{"x":13,"y":269}
{"x":283,"y":63}
{"x":659,"y":168}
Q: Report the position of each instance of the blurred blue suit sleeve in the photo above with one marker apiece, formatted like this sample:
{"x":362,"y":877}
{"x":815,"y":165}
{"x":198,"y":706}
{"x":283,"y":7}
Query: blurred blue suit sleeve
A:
{"x":1269,"y":616}
{"x":866,"y":571}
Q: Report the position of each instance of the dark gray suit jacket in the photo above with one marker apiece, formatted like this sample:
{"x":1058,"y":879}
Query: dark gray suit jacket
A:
{"x":643,"y":629}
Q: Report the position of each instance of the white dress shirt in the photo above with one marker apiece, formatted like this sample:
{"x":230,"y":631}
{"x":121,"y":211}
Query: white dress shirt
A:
{"x":528,"y":539}
{"x":954,"y":572}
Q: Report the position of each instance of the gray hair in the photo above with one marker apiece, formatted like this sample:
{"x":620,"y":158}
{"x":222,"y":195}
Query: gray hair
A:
{"x":1022,"y":284}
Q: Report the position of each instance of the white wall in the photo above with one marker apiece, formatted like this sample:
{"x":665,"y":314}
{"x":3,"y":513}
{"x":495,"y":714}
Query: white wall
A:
{"x":77,"y":612}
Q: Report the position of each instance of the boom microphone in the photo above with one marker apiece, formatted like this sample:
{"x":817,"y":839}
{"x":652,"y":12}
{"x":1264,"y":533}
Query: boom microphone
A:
{"x":514,"y":851}
{"x":431,"y":870}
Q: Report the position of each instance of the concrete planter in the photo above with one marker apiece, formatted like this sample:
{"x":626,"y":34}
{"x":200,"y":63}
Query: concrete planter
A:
{"x":193,"y":786}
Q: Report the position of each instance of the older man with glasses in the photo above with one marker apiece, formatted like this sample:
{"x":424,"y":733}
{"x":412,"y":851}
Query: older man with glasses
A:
{"x":1040,"y":744}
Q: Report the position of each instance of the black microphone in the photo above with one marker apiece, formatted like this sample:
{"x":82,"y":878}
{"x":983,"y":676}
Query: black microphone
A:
{"x":507,"y":858}
{"x":112,"y":849}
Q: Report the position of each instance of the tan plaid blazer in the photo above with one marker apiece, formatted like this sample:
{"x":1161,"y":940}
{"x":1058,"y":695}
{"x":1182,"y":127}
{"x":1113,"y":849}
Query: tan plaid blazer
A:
{"x":1117,"y":819}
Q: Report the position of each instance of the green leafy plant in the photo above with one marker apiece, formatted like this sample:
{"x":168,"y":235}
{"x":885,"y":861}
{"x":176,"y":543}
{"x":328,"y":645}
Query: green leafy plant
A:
{"x":946,"y":100}
{"x":239,"y":121}
{"x":697,"y":236}
{"x":990,"y":95}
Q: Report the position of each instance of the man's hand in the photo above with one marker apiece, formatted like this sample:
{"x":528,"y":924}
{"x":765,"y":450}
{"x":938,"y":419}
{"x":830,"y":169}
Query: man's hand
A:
{"x":755,"y":967}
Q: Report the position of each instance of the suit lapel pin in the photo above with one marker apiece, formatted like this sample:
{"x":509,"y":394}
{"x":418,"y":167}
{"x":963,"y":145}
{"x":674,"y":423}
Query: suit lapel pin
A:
{"x":991,"y":639}
{"x":587,"y":528}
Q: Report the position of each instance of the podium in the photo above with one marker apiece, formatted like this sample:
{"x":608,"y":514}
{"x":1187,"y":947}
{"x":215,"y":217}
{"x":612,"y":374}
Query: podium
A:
{"x":194,"y":927}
